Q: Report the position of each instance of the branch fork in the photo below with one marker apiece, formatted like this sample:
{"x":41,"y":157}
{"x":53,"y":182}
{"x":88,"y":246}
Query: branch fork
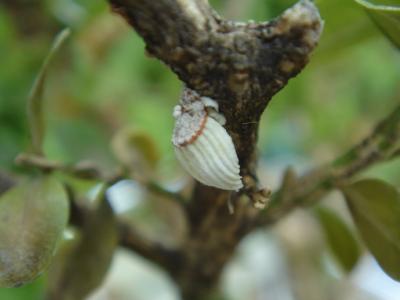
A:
{"x":241,"y":66}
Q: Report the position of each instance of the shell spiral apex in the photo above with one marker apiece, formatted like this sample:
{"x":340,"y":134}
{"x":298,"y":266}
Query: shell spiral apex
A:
{"x":202,"y":145}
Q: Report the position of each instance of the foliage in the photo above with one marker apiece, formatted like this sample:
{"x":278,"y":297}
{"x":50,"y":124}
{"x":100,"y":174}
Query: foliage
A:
{"x":340,"y":238}
{"x":375,"y":207}
{"x":35,"y":101}
{"x":33,"y":218}
{"x":81,"y":267}
{"x":386,"y":15}
{"x":102,"y":83}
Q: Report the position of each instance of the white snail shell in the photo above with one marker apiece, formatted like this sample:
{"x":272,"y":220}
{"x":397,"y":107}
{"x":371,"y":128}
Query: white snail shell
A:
{"x":202,"y":145}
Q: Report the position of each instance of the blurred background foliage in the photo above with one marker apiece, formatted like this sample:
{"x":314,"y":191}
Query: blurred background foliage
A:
{"x":102,"y":82}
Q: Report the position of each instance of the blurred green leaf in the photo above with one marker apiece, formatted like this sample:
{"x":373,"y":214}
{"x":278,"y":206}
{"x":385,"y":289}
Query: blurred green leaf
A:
{"x":345,"y":27}
{"x":33,"y":216}
{"x":35,"y":101}
{"x":31,"y":291}
{"x":339,"y":237}
{"x":135,"y":149}
{"x":386,"y":15}
{"x":375,"y":207}
{"x":86,"y":262}
{"x":69,"y":243}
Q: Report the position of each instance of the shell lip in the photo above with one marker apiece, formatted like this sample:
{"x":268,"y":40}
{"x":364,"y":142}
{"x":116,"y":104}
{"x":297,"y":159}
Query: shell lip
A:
{"x":194,"y":137}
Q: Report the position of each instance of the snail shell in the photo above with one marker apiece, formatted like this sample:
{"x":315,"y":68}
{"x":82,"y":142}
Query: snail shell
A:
{"x":202,"y":145}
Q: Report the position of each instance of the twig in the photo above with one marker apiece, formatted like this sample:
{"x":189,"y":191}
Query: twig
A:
{"x":128,"y":236}
{"x":37,"y":161}
{"x":380,"y":146}
{"x":160,"y":190}
{"x":89,"y":170}
{"x":154,"y":251}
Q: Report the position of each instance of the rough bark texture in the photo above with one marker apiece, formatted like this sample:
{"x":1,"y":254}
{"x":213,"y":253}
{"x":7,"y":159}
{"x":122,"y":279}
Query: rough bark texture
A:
{"x":241,"y":66}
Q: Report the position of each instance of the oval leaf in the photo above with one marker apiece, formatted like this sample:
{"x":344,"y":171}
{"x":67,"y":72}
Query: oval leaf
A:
{"x":386,"y":15}
{"x":339,"y":237}
{"x":135,"y":149}
{"x":85,"y":266}
{"x":35,"y":101}
{"x":33,"y":216}
{"x":375,"y":207}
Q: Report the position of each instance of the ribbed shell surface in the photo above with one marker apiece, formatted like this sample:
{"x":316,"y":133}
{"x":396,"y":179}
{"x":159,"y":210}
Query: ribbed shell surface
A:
{"x":211,"y":158}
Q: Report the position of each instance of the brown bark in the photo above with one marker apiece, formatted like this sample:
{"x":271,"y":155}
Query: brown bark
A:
{"x":197,"y":264}
{"x":241,"y":66}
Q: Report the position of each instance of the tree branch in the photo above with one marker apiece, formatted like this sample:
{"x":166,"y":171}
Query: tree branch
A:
{"x":241,"y":66}
{"x":151,"y":250}
{"x":129,"y":238}
{"x":381,"y":145}
{"x":89,"y":170}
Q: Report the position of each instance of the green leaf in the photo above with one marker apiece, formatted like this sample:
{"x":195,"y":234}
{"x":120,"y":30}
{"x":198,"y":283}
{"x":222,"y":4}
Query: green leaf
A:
{"x":85,"y":266}
{"x":135,"y":149}
{"x":386,"y":15}
{"x":339,"y":237}
{"x":345,"y":26}
{"x":33,"y":216}
{"x":35,"y":100}
{"x":375,"y":207}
